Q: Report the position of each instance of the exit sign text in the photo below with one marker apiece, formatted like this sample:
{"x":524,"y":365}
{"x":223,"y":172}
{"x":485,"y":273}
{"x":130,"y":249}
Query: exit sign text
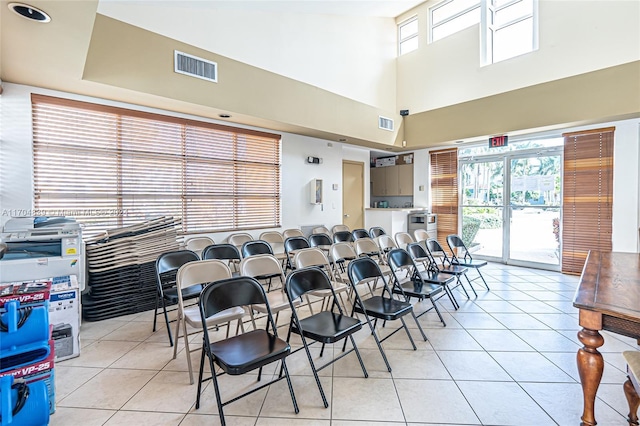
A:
{"x":497,"y":141}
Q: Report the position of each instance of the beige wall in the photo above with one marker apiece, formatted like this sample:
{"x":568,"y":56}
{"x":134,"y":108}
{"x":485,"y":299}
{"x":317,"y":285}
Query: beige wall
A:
{"x":352,"y":56}
{"x":576,"y":37}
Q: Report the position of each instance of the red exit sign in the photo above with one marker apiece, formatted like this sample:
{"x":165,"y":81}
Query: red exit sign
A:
{"x":497,"y":141}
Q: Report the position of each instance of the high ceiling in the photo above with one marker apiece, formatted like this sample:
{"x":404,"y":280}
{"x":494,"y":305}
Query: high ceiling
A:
{"x":380,"y":8}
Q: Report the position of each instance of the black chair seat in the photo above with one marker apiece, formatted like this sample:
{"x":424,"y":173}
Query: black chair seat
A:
{"x":436,"y":277}
{"x":420,"y":289}
{"x":328,"y":327}
{"x":453,"y":269}
{"x":191,"y":292}
{"x":384,"y":308}
{"x":470,"y":264}
{"x":246,"y":352}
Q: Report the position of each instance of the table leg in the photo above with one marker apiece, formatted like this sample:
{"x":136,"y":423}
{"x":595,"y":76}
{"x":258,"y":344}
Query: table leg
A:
{"x":590,"y":367}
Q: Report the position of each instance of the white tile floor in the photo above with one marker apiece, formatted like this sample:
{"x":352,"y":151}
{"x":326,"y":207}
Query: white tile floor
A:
{"x":505,"y":358}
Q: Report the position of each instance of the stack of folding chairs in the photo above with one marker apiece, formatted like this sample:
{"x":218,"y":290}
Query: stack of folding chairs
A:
{"x":121,"y":267}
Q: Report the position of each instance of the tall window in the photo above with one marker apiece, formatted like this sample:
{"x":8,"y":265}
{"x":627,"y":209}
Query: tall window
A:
{"x":588,"y":196}
{"x":509,"y":29}
{"x":408,"y":36}
{"x":451,"y":16}
{"x":112,"y":167}
{"x":444,"y":191}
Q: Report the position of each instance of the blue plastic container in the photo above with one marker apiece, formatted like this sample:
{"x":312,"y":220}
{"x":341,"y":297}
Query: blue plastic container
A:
{"x":20,"y":408}
{"x":24,"y":335}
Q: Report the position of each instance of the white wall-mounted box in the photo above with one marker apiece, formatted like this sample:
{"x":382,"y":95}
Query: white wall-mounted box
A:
{"x":315,"y":191}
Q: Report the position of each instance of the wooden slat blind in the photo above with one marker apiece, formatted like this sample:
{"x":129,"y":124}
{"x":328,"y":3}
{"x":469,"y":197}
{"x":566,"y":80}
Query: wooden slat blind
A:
{"x":444,"y":191}
{"x":588,"y":196}
{"x":110,"y":167}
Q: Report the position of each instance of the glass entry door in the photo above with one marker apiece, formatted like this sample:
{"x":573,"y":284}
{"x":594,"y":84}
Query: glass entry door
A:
{"x":511,"y":207}
{"x":535,"y":202}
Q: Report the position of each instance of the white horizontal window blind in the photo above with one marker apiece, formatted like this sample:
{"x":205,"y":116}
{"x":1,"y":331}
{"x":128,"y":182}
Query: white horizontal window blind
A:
{"x":110,"y":167}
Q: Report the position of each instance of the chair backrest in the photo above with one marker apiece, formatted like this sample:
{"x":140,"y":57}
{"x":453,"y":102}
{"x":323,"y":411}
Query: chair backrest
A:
{"x":360,"y":233}
{"x":385,"y":242}
{"x":319,"y":240}
{"x":403,"y":239}
{"x":363,"y":269}
{"x":376,"y":231}
{"x":239,"y":239}
{"x":228,"y":293}
{"x":421,"y":234}
{"x":222,"y":252}
{"x":197,"y":244}
{"x":312,"y":257}
{"x":342,"y":251}
{"x":417,"y":251}
{"x":296,"y":243}
{"x":252,"y":248}
{"x":302,"y":281}
{"x":340,"y":228}
{"x":167,"y":266}
{"x":400,"y":259}
{"x":263,"y":265}
{"x":435,"y":250}
{"x":321,"y":230}
{"x":342,"y":237}
{"x":272,"y":237}
{"x":293,"y":232}
{"x":366,"y":247}
{"x":199,"y":273}
{"x":173,"y":260}
{"x":455,"y":242}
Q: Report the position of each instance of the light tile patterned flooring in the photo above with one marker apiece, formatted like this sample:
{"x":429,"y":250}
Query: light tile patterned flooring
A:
{"x":505,"y":358}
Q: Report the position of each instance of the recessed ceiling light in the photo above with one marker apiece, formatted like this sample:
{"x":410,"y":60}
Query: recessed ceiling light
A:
{"x":224,"y":116}
{"x":30,"y":12}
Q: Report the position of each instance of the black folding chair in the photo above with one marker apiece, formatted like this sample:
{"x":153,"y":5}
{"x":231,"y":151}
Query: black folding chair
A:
{"x":326,"y":326}
{"x":316,"y":240}
{"x":255,"y":247}
{"x":342,"y":237}
{"x":455,"y":242}
{"x":167,"y":266}
{"x":360,"y":233}
{"x":245,"y":352}
{"x":415,"y":284}
{"x":227,"y":252}
{"x":376,"y":231}
{"x":379,"y":307}
{"x":292,"y":244}
{"x":435,"y":250}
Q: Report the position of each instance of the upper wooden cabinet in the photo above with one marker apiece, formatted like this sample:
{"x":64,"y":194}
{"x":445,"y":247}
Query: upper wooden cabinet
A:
{"x":392,"y":180}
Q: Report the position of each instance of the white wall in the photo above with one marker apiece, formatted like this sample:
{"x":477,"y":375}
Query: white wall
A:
{"x":16,"y":170}
{"x":575,"y":37}
{"x":353,"y":56}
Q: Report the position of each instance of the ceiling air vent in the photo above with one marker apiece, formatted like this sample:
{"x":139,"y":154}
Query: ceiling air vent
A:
{"x":385,"y":123}
{"x":195,"y":67}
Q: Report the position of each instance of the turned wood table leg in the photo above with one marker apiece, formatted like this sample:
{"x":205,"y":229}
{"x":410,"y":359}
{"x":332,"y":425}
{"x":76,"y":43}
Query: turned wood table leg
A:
{"x":633,"y":400}
{"x":590,"y":367}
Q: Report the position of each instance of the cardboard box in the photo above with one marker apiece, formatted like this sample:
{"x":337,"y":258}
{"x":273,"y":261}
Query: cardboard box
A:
{"x":64,"y":316}
{"x":386,"y":161}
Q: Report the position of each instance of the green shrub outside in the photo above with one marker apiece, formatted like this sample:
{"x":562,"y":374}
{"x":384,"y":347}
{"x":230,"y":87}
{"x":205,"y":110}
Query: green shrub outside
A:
{"x":470,"y":227}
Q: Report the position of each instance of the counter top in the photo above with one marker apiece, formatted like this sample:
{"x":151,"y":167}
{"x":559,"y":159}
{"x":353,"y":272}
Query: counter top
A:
{"x":400,"y":209}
